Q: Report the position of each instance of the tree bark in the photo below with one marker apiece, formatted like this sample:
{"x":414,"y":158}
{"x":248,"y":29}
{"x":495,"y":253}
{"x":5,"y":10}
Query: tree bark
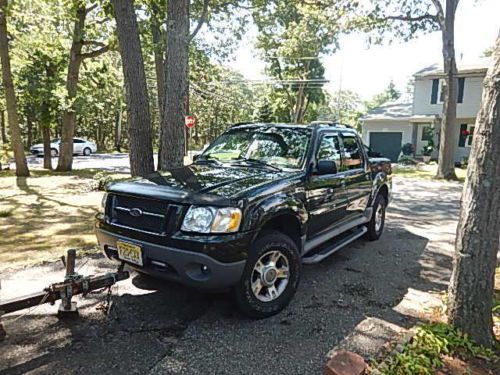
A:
{"x":65,"y":161}
{"x":47,"y":157}
{"x":139,"y":118}
{"x":10,"y":97}
{"x":446,"y":162}
{"x":177,"y":84}
{"x":3,"y":133}
{"x":157,"y":19}
{"x":477,"y":244}
{"x":118,"y":128}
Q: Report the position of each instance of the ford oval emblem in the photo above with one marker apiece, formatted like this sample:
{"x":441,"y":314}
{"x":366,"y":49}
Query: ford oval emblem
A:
{"x":135,"y":212}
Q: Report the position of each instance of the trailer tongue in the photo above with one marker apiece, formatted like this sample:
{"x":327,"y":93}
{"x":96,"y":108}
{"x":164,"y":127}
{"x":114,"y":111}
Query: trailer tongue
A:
{"x":72,"y":285}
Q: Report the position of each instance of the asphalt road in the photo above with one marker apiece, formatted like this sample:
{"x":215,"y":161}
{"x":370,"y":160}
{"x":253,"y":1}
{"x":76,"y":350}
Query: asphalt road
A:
{"x":112,"y":162}
{"x":162,"y":328}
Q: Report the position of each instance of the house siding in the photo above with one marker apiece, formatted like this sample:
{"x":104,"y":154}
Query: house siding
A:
{"x":471,"y":101}
{"x":373,"y":126}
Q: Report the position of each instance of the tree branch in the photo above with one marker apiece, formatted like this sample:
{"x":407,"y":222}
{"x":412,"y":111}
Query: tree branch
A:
{"x":440,"y":12}
{"x":93,"y":43}
{"x":95,"y":53}
{"x":90,"y":8}
{"x":431,"y":17}
{"x":201,"y":21}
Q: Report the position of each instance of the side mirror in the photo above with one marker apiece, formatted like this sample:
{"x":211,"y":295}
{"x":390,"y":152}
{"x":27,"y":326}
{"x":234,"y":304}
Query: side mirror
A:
{"x":326,"y":167}
{"x":196,"y":157}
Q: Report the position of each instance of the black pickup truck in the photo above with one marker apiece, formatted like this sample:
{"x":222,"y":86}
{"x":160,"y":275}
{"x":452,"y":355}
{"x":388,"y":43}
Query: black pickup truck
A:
{"x":259,"y":202}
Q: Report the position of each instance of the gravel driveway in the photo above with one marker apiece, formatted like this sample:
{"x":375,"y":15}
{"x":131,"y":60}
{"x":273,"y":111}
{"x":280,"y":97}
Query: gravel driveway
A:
{"x":162,"y":328}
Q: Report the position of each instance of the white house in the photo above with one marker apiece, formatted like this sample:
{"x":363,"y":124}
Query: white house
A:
{"x":387,"y":128}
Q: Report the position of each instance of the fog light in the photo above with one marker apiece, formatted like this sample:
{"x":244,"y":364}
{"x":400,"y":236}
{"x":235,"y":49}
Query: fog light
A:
{"x":204,"y":269}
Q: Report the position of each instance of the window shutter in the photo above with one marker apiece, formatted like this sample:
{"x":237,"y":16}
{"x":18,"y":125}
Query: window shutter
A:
{"x":462,"y":137}
{"x":435,"y":87}
{"x":461,"y":84}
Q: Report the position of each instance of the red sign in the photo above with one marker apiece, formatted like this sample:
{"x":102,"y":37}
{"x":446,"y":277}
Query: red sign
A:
{"x":190,"y":121}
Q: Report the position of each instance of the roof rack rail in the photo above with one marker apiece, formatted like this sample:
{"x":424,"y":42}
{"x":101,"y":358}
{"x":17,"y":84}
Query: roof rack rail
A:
{"x":243,"y":123}
{"x":330,"y":123}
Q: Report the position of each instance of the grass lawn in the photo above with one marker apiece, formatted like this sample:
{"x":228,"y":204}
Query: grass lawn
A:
{"x":426,"y":171}
{"x":43,"y":215}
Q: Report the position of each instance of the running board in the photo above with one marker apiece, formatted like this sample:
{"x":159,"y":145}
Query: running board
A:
{"x":316,"y":258}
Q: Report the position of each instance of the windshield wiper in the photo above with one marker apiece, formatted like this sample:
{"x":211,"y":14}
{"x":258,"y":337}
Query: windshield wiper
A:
{"x":257,"y":161}
{"x":209,"y":159}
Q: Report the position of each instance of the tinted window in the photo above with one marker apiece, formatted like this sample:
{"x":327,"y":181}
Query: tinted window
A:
{"x":353,"y":156}
{"x":76,"y":140}
{"x":281,"y":147}
{"x":329,"y":149}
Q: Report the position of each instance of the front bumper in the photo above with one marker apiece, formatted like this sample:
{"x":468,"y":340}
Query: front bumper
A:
{"x":186,"y":267}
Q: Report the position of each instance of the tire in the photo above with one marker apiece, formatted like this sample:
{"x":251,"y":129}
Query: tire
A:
{"x":270,"y":300}
{"x":376,"y":225}
{"x":87,"y":151}
{"x":53,"y":152}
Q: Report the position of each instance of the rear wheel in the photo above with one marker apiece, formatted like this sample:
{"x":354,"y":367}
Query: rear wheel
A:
{"x":376,"y":225}
{"x":271,"y":276}
{"x":53,"y":152}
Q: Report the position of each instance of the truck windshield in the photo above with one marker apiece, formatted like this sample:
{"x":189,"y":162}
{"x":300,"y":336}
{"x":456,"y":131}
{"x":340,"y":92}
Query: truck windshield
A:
{"x":279,"y":147}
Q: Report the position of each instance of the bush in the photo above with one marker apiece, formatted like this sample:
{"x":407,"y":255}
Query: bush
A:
{"x":407,"y":160}
{"x":408,"y":149}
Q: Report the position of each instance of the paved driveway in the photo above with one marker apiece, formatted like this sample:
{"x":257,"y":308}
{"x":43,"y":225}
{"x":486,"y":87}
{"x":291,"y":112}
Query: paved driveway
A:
{"x":161,"y":328}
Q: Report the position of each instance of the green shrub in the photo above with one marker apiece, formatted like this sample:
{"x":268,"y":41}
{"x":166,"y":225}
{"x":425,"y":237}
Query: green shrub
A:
{"x":407,"y":160}
{"x":422,"y":355}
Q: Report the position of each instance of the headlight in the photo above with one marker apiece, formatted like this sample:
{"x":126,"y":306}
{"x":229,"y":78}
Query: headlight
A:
{"x":103,"y":202}
{"x":212,"y":220}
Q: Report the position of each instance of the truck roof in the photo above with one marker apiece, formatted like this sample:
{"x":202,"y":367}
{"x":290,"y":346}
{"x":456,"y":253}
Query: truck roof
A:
{"x":320,"y":125}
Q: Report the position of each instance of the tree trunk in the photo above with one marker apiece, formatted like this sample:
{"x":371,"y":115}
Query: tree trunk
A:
{"x":3,"y":133}
{"x":177,"y":84}
{"x":159,"y":59}
{"x":65,"y":162}
{"x":477,"y":244}
{"x":446,"y":162}
{"x":10,"y":97}
{"x":139,"y":118}
{"x":299,"y":104}
{"x":29,"y":125}
{"x":47,"y":157}
{"x":118,"y":128}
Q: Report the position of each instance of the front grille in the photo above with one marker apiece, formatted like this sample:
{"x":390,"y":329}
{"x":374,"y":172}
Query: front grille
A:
{"x":141,"y":214}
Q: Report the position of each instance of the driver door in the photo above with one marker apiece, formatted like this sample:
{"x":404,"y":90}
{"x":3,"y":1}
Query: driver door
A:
{"x":326,"y":194}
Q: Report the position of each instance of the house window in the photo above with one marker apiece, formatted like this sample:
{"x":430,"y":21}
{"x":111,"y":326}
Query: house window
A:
{"x":427,"y":133}
{"x":466,"y":134}
{"x":442,"y":83}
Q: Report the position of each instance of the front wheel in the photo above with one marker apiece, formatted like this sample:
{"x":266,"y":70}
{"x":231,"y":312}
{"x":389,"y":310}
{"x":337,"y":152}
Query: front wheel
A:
{"x":54,"y":152}
{"x":271,"y":276}
{"x":376,"y":225}
{"x":87,"y":151}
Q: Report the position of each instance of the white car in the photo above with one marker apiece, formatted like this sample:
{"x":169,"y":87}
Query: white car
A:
{"x":80,"y":146}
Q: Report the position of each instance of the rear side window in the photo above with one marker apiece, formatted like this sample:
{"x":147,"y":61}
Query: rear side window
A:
{"x":329,"y":149}
{"x":353,"y":156}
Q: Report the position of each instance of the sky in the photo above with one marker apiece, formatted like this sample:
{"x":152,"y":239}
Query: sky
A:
{"x":368,"y":71}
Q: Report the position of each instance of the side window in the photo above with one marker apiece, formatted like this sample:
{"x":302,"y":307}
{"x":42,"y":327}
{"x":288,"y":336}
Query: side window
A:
{"x":77,"y":140}
{"x":329,"y":149}
{"x":353,"y":156}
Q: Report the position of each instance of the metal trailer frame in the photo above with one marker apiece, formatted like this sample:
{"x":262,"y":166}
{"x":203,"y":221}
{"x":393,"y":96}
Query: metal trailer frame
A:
{"x":72,"y":285}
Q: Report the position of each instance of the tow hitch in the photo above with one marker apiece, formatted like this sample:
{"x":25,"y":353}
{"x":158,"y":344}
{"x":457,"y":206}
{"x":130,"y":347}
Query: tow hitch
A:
{"x":72,"y":285}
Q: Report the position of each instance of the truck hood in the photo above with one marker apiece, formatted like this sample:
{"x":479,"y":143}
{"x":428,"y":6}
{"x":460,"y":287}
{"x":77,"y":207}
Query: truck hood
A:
{"x":196,"y":183}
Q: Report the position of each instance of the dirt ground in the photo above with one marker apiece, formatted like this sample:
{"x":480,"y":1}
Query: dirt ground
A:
{"x":43,"y":215}
{"x":160,"y":328}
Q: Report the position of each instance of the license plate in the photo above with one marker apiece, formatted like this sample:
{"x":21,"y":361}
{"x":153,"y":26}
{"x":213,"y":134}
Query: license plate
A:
{"x":129,"y":252}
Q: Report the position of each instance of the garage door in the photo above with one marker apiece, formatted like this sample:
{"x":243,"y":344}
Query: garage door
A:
{"x":387,"y":143}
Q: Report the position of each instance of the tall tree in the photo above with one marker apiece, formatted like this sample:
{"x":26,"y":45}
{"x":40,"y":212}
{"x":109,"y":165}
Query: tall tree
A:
{"x":139,"y":118}
{"x":405,"y":20}
{"x":76,"y":57}
{"x":477,"y":244}
{"x":10,"y":96}
{"x":177,"y":84}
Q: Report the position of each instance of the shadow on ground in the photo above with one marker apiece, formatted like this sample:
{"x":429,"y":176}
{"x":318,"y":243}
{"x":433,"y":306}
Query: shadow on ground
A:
{"x":162,"y":328}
